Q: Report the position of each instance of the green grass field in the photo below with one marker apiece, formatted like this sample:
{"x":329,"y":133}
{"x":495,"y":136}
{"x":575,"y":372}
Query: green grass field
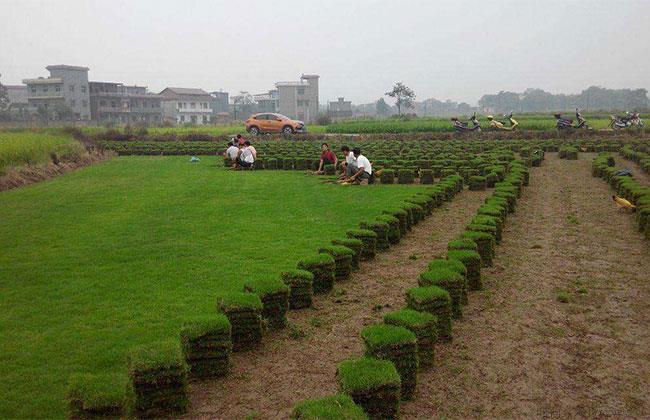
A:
{"x":32,"y":148}
{"x":120,"y":253}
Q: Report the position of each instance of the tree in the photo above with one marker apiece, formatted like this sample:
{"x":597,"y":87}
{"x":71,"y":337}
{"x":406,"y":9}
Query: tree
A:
{"x":404,"y":96}
{"x":382,"y":107}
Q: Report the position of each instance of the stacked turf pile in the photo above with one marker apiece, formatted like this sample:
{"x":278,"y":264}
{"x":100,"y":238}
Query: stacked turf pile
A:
{"x":244,"y":311}
{"x":472,"y":262}
{"x":322,"y":266}
{"x":435,"y":301}
{"x":453,"y":265}
{"x":426,"y":176}
{"x":207,"y":345}
{"x":369,"y":239}
{"x":423,"y":325}
{"x":381,"y":230}
{"x":373,"y":384}
{"x":387,"y":176}
{"x":90,"y":396}
{"x":355,"y":245}
{"x":394,"y":232}
{"x":157,"y":380}
{"x":485,"y":243}
{"x":399,"y":345}
{"x":402,"y":216}
{"x":300,"y":282}
{"x":274,"y":294}
{"x":342,"y":258}
{"x":450,"y":280}
{"x":334,"y":407}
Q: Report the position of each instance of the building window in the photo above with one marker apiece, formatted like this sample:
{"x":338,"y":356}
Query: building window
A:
{"x":57,"y":88}
{"x":301,"y":91}
{"x":112,"y":104}
{"x":83,"y":89}
{"x":192,"y":105}
{"x":182,"y":118}
{"x":205,"y":119}
{"x":33,"y":89}
{"x":71,"y":88}
{"x":84,"y":103}
{"x":45,"y":89}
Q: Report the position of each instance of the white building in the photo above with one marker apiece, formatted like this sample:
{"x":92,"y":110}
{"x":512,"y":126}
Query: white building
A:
{"x":299,"y":100}
{"x":186,"y":106}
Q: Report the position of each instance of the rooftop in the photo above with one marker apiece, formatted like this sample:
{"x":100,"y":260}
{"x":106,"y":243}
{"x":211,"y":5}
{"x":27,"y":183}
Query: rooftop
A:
{"x":43,"y":81}
{"x":300,"y":83}
{"x":66,"y":67}
{"x":184,"y":91}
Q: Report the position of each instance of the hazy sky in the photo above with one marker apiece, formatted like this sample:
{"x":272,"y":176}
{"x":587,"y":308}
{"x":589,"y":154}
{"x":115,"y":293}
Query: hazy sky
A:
{"x":443,"y":49}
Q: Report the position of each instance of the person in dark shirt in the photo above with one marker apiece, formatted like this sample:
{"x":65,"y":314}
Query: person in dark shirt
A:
{"x":327,"y":157}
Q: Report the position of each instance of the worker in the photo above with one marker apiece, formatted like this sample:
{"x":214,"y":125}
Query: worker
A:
{"x":327,"y":157}
{"x":231,"y":152}
{"x":348,"y":166}
{"x":363,"y":174}
{"x":245,"y":159}
{"x":498,"y":125}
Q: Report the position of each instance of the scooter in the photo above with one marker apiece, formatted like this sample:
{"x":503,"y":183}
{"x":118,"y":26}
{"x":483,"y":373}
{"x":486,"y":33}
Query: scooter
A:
{"x":565,"y":123}
{"x":462,"y":127}
{"x":629,"y":120}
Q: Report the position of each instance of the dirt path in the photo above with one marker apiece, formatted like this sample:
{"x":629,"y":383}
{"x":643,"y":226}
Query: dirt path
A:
{"x":642,"y":177}
{"x":519,"y":351}
{"x":268,"y":381}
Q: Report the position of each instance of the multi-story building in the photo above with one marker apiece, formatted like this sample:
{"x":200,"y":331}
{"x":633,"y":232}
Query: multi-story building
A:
{"x":122,"y":104}
{"x":340,"y":109}
{"x":219,"y":102}
{"x":267,"y":102}
{"x":65,"y":89}
{"x":299,"y":100}
{"x":186,"y":105}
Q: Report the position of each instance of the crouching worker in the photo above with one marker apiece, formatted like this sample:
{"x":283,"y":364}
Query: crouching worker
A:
{"x":231,"y":153}
{"x":349,"y":164}
{"x":327,"y":157}
{"x":245,"y":159}
{"x":363,"y":169}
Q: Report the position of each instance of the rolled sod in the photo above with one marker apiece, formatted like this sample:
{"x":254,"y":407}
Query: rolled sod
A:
{"x":301,"y":284}
{"x":425,"y":327}
{"x":244,"y":311}
{"x":394,"y":232}
{"x":485,"y":242}
{"x":334,"y":407}
{"x":207,"y":344}
{"x":373,"y":384}
{"x":453,"y":265}
{"x":399,"y":345}
{"x":405,"y":176}
{"x":477,"y":183}
{"x":426,"y":176}
{"x":355,"y":245}
{"x":403,"y":217}
{"x":274,"y":294}
{"x":157,"y":384}
{"x":436,"y":301}
{"x":343,"y":260}
{"x":483,"y":219}
{"x":387,"y":176}
{"x":96,"y":395}
{"x":369,"y":239}
{"x":416,"y":212}
{"x":381,"y":229}
{"x":322,"y":266}
{"x":423,"y":201}
{"x":472,"y":262}
{"x":450,"y":280}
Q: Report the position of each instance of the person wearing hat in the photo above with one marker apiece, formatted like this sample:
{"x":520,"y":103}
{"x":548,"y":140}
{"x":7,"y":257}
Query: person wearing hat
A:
{"x":498,"y":125}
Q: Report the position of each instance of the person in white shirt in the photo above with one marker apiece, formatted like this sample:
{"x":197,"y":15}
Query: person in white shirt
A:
{"x":363,"y":174}
{"x":349,"y":165}
{"x":245,"y":158}
{"x":231,"y":152}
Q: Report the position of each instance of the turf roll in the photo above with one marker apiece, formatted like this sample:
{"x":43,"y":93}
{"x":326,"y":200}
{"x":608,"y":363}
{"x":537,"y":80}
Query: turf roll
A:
{"x":355,"y":245}
{"x":322,"y":266}
{"x":425,"y":327}
{"x":333,"y":407}
{"x":436,"y":301}
{"x":472,"y":262}
{"x":403,"y":217}
{"x":343,"y":260}
{"x":274,"y":294}
{"x":394,"y":232}
{"x":485,"y":242}
{"x":369,"y":239}
{"x":301,"y":284}
{"x":244,"y":311}
{"x":381,"y":229}
{"x":207,"y":344}
{"x":373,"y":384}
{"x":450,"y":280}
{"x":95,"y":395}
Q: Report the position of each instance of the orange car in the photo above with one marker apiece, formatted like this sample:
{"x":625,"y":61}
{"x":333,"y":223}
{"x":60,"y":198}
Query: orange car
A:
{"x":273,"y":123}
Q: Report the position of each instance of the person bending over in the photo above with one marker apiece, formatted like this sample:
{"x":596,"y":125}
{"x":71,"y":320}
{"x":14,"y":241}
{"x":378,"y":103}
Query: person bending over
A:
{"x":363,"y":173}
{"x":498,"y":125}
{"x":245,"y":158}
{"x":349,"y":165}
{"x":327,"y":157}
{"x":232,"y":152}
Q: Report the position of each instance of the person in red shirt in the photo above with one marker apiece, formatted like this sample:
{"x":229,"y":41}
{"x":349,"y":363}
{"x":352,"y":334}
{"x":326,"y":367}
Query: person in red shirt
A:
{"x":327,"y":157}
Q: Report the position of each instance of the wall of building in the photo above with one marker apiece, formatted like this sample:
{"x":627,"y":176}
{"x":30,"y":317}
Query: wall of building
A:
{"x":75,"y":88}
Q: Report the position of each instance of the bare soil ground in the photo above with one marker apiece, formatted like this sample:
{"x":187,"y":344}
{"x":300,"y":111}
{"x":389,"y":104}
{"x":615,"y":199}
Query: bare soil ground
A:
{"x":300,"y":362}
{"x":520,"y":351}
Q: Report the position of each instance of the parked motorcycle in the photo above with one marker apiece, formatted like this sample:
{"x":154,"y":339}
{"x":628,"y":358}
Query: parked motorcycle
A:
{"x":628,"y":120}
{"x":462,"y":127}
{"x":565,"y":123}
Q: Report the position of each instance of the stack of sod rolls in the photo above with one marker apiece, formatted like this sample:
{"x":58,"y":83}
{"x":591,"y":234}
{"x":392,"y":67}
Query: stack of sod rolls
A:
{"x":435,"y":301}
{"x":101,"y":395}
{"x":157,"y":380}
{"x":244,"y":311}
{"x":333,"y":407}
{"x":322,"y":266}
{"x":301,"y":284}
{"x":342,"y":258}
{"x":274,"y":294}
{"x":399,"y":345}
{"x":373,"y":384}
{"x":207,"y":345}
{"x":423,"y":325}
